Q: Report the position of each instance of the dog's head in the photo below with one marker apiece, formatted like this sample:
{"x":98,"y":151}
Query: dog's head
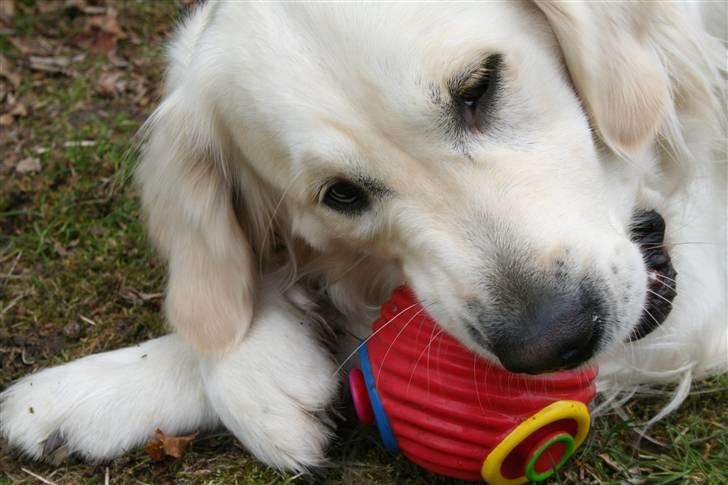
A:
{"x":474,"y":145}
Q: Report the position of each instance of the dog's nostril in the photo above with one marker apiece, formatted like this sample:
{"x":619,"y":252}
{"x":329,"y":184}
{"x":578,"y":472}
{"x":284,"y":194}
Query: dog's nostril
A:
{"x":569,"y":355}
{"x":578,"y":350}
{"x":559,"y":333}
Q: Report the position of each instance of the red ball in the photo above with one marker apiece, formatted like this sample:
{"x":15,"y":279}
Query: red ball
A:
{"x":457,"y":414}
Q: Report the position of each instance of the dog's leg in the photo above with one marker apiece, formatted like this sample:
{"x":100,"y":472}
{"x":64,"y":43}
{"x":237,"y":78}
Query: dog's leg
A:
{"x":270,"y":392}
{"x":99,"y":406}
{"x":273,"y":390}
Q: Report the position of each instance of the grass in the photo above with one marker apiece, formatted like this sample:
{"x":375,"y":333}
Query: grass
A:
{"x":75,"y":266}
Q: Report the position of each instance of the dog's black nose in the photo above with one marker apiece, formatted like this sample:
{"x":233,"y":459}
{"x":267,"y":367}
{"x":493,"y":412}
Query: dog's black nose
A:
{"x":553,"y":332}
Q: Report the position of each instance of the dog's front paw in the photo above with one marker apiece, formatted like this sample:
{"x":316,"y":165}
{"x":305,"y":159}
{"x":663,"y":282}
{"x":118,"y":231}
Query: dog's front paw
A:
{"x":102,"y":405}
{"x":274,"y":390}
{"x":28,"y":422}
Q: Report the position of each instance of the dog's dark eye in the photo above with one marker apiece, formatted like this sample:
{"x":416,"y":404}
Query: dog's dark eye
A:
{"x":346,"y":197}
{"x":477,"y":92}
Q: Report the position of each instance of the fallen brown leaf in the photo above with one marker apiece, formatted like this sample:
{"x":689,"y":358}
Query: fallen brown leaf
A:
{"x":100,"y":32}
{"x":10,"y":161}
{"x":97,"y":41}
{"x":110,"y":85}
{"x":29,"y":164}
{"x":94,"y":9}
{"x":35,"y":46}
{"x":135,"y":296}
{"x":77,"y":4}
{"x":49,"y":7}
{"x":7,"y":71}
{"x":59,"y":64}
{"x":173,"y":446}
{"x":118,"y":61}
{"x":154,"y":449}
{"x":19,"y":110}
{"x":6,"y":119}
{"x":611,"y":462}
{"x":59,"y":249}
{"x":107,"y":23}
{"x":7,"y":9}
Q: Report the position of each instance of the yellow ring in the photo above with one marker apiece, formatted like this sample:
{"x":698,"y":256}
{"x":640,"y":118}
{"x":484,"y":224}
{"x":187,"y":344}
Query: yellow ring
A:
{"x":576,"y":410}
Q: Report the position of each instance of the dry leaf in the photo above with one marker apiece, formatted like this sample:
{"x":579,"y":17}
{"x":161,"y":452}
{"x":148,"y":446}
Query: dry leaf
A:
{"x":49,"y":7}
{"x":77,"y":4}
{"x":118,"y":61}
{"x":59,"y":249}
{"x":54,"y":64}
{"x":6,"y":119}
{"x":612,"y":463}
{"x":10,"y":161}
{"x":154,"y":449}
{"x":135,"y":296}
{"x":173,"y":446}
{"x":19,"y":110}
{"x":109,"y":84}
{"x":29,"y":164}
{"x":94,"y":9}
{"x":7,"y":71}
{"x":26,"y":46}
{"x":106,"y":23}
{"x":101,"y":32}
{"x":7,"y":9}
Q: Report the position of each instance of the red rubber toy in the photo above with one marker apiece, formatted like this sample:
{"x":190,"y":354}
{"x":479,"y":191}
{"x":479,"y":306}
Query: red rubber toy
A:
{"x":455,"y":413}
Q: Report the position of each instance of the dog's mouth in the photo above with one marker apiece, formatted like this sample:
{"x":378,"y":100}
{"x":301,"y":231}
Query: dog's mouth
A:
{"x":648,"y":232}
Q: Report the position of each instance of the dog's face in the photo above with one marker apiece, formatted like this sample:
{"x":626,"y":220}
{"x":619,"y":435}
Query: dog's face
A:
{"x":450,"y":139}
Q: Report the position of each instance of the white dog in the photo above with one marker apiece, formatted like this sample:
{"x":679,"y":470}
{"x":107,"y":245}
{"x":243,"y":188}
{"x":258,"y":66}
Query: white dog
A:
{"x":512,"y":161}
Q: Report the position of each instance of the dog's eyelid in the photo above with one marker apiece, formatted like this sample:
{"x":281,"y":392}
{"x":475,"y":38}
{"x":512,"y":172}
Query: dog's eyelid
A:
{"x":325,"y":184}
{"x":469,"y":85}
{"x":475,"y":93}
{"x":344,"y":196}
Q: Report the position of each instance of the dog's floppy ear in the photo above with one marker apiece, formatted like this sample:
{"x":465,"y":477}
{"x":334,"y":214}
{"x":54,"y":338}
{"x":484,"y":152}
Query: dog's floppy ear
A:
{"x":188,"y":196}
{"x":618,"y":75}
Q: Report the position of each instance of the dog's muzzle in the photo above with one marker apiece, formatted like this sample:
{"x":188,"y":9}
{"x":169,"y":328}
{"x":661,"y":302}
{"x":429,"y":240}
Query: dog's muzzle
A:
{"x":648,"y":232}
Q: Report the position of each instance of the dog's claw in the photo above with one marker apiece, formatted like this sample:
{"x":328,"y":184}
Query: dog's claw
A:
{"x":55,"y":450}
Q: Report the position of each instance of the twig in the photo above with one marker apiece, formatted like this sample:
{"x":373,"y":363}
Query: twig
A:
{"x":7,"y":256}
{"x":38,"y":477}
{"x":88,"y":320}
{"x":14,"y":277}
{"x":12,"y":303}
{"x":107,"y":479}
{"x":9,"y":274}
{"x":79,"y":143}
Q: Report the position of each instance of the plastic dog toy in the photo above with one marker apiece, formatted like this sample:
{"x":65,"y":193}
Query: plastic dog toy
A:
{"x":455,"y":413}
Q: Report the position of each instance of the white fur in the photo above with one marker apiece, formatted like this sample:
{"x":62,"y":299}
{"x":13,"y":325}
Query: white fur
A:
{"x":266,"y":102}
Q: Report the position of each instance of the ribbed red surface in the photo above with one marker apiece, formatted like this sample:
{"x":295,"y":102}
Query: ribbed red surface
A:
{"x":447,"y":406}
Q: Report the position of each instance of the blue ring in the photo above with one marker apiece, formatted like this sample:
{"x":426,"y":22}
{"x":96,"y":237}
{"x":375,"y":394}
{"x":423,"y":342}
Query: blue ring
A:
{"x":385,"y":429}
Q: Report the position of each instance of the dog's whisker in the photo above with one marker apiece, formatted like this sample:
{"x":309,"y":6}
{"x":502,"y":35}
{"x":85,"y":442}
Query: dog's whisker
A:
{"x":659,"y":296}
{"x":436,"y":332}
{"x":366,"y":340}
{"x":660,"y":275}
{"x":682,"y":243}
{"x":670,"y":287}
{"x":271,"y":219}
{"x":651,"y":316}
{"x":394,"y":340}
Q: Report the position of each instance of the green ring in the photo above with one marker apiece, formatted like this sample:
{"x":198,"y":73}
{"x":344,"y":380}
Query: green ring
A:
{"x":531,"y":473}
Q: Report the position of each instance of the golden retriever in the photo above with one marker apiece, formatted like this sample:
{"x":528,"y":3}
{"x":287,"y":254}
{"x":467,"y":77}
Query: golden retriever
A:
{"x":548,"y":177}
